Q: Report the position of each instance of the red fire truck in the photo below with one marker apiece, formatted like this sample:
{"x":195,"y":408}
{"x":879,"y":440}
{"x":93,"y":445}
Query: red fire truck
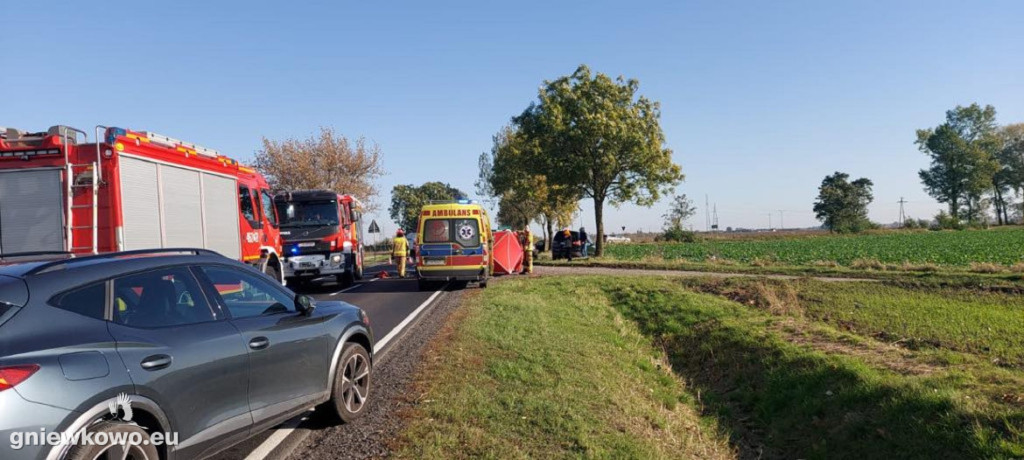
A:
{"x":131,"y":190}
{"x":323,"y":236}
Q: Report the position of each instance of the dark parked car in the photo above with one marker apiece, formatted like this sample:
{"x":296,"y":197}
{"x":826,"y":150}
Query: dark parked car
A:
{"x":562,"y":248}
{"x":168,"y":341}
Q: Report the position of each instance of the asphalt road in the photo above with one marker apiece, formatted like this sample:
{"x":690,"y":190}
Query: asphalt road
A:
{"x":389,"y":303}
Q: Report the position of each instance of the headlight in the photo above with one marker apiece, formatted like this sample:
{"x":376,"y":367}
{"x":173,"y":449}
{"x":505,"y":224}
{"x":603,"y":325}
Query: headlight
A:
{"x":336,"y":259}
{"x":347,"y":246}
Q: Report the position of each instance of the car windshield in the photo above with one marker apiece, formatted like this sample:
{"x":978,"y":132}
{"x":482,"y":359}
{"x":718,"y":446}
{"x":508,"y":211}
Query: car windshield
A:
{"x":308,"y":213}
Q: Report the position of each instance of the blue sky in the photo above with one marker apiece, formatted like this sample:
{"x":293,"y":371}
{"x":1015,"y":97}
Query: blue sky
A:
{"x":760,"y":100}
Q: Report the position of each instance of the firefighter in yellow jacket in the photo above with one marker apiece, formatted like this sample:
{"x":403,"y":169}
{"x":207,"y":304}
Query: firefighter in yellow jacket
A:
{"x":526,"y":238}
{"x":400,"y":252}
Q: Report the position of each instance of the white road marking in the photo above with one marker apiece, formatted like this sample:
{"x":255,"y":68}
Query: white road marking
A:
{"x":351,"y":288}
{"x":285,"y":430}
{"x":405,"y":322}
{"x":275,"y":439}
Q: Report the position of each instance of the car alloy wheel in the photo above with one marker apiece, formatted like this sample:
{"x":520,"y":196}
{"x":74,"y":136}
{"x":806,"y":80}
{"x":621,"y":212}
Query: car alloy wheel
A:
{"x":355,"y":383}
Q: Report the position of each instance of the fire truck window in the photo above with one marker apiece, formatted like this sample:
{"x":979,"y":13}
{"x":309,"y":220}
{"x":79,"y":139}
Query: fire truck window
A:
{"x":437,"y":231}
{"x":160,"y":298}
{"x":268,"y":207}
{"x":245,"y":204}
{"x":248,"y":294}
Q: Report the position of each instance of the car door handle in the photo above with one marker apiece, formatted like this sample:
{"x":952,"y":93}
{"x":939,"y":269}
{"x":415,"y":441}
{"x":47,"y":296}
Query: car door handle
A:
{"x":156,"y":362}
{"x":259,"y":343}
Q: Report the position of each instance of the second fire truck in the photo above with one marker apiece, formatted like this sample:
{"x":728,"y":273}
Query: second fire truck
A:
{"x":131,"y":190}
{"x":323,"y":236}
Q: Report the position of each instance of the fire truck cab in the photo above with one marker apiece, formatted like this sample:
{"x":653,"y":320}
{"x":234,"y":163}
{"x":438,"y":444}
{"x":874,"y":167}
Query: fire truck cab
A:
{"x":323,"y":236}
{"x":131,"y":190}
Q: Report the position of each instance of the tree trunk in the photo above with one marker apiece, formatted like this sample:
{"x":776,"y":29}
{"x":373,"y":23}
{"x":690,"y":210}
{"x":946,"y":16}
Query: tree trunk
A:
{"x":998,"y":205}
{"x":599,"y":217}
{"x":550,"y":232}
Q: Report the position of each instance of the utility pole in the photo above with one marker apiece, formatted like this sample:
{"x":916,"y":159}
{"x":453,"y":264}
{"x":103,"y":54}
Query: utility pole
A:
{"x":782,"y":222}
{"x":769,"y":221}
{"x":903,"y":216}
{"x":707,"y":214}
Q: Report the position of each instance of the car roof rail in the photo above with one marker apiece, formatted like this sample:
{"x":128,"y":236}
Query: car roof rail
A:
{"x":57,"y":264}
{"x":9,"y":255}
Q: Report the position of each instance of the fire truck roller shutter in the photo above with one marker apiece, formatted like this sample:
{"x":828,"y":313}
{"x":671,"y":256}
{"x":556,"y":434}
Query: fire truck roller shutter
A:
{"x":220,"y":200}
{"x":31,"y":211}
{"x":169,"y":206}
{"x":183,"y":208}
{"x":140,"y":205}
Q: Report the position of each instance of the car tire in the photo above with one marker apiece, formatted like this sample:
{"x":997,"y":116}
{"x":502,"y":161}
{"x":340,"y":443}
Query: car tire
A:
{"x":144,"y":451}
{"x":349,"y":402}
{"x":346,"y":279}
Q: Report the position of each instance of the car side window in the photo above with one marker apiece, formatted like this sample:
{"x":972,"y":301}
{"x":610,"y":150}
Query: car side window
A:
{"x":90,"y":300}
{"x":248,"y":294}
{"x":160,"y":298}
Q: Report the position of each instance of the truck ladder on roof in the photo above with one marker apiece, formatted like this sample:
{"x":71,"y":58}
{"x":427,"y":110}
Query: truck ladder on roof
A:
{"x":92,"y":188}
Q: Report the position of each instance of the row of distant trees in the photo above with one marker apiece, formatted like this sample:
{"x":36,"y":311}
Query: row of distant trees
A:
{"x":976,"y":165}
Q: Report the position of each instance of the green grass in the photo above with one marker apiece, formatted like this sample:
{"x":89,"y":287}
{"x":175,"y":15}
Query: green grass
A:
{"x":794,"y":400}
{"x":546,"y":368}
{"x":1004,"y":246}
{"x":580,"y":367}
{"x":987,"y":323}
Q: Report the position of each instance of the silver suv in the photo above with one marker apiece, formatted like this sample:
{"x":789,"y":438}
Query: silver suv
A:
{"x":181,"y":344}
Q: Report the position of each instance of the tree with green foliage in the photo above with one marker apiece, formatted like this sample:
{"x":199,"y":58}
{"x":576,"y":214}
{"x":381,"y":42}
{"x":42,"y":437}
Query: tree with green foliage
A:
{"x":523,"y":195}
{"x":408,"y":200}
{"x":594,"y":135}
{"x":843,"y":205}
{"x":680,"y":209}
{"x":963,"y":162}
{"x":1011,"y":168}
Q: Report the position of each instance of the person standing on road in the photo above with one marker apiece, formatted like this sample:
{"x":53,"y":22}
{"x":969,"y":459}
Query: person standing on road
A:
{"x":584,"y":242}
{"x":527,"y":241}
{"x":400,"y":252}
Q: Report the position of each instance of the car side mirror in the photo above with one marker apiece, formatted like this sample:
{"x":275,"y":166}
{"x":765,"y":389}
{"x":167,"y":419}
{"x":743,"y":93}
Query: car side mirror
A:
{"x":304,"y":304}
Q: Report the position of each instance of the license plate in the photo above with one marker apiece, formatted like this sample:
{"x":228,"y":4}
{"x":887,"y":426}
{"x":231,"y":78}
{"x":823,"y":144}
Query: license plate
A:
{"x":433,"y":262}
{"x":306,"y":264}
{"x":307,"y":245}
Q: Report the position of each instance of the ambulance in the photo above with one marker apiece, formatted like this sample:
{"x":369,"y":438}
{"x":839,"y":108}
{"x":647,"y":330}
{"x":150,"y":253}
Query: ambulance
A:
{"x":453,"y":243}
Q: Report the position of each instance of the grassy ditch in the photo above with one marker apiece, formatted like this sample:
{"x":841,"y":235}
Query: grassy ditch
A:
{"x":905,"y":272}
{"x":787,"y":385}
{"x":547,"y":368}
{"x":572,"y":366}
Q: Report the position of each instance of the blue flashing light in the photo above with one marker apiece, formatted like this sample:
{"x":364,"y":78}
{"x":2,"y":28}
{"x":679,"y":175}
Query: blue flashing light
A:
{"x":295,"y":249}
{"x":113,"y":133}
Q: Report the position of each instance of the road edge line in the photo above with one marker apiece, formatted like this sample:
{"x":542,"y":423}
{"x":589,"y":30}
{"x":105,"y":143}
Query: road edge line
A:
{"x":377,"y":347}
{"x":275,"y":439}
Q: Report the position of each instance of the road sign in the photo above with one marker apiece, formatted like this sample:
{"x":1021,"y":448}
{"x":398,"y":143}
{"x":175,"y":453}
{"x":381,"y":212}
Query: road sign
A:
{"x":374,"y":228}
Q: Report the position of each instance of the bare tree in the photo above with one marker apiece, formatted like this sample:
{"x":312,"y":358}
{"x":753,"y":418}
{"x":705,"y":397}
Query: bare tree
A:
{"x":323,"y":161}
